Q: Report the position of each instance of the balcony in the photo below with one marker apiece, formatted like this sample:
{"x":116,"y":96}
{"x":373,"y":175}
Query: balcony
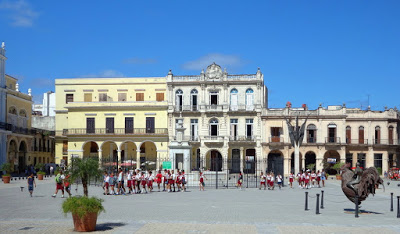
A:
{"x":213,"y":139}
{"x":242,"y":139}
{"x":116,"y":131}
{"x":332,"y":140}
{"x":188,"y":138}
{"x":311,"y":140}
{"x":385,"y":142}
{"x":356,"y":141}
{"x":186,"y":108}
{"x":276,"y":139}
{"x":244,"y":107}
{"x":213,"y":108}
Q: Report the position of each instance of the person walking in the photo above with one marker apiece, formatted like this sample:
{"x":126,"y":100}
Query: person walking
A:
{"x":201,"y":177}
{"x":59,"y":184}
{"x":279,"y":180}
{"x":183,"y":179}
{"x":240,"y":181}
{"x":67,"y":184}
{"x":262,"y":181}
{"x":291,"y":178}
{"x":31,"y":182}
{"x":323,"y":177}
{"x":159,"y":180}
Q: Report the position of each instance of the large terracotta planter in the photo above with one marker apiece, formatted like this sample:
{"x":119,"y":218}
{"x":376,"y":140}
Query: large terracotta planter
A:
{"x":339,"y":177}
{"x":85,"y":224}
{"x":40,"y":177}
{"x":6,"y":179}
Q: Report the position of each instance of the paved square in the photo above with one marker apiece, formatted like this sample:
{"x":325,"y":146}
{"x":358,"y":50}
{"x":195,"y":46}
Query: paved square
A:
{"x":211,"y":211}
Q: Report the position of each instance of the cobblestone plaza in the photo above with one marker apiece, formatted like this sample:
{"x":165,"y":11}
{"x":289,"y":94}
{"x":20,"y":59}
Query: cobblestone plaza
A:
{"x":212,"y":211}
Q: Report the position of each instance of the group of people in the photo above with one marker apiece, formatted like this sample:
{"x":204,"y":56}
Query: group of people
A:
{"x":268,"y":180}
{"x":63,"y":183}
{"x":137,"y":181}
{"x":308,"y":179}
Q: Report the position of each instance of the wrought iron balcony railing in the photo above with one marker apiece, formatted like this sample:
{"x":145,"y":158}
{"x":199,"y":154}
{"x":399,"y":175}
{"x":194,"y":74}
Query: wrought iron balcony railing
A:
{"x":116,"y":131}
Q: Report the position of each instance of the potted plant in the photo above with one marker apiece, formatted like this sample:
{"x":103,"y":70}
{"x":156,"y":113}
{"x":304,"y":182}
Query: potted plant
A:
{"x":311,"y":166}
{"x":7,"y":168}
{"x":84,"y":209}
{"x":39,"y":167}
{"x":337,"y":167}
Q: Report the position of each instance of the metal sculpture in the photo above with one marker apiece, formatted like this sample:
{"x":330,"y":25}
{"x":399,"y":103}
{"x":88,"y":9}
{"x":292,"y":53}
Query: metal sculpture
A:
{"x":296,"y":134}
{"x":360,"y":183}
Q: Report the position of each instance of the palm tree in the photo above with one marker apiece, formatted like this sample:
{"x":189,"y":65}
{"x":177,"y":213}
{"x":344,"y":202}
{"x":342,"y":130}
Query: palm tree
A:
{"x":84,"y":169}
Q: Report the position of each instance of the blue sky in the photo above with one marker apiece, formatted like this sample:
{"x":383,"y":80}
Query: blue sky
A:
{"x":311,"y":52}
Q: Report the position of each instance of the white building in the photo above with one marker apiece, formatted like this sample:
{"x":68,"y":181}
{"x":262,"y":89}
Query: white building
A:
{"x":214,"y":120}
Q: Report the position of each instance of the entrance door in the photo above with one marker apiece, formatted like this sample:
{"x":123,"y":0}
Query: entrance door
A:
{"x":109,"y":125}
{"x":235,"y":161}
{"x":149,"y":124}
{"x":179,"y":161}
{"x":216,"y":161}
{"x":193,"y":129}
{"x":250,"y":159}
{"x":275,"y":163}
{"x":128,"y":124}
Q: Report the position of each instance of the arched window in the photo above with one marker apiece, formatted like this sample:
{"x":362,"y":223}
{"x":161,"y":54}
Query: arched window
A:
{"x":179,"y":100}
{"x":214,"y":127}
{"x":193,"y":99}
{"x":249,"y":99}
{"x":12,"y":110}
{"x":234,"y":100}
{"x":311,"y":133}
{"x":348,"y":135}
{"x":22,"y":113}
{"x":377,"y":135}
{"x":361,"y":134}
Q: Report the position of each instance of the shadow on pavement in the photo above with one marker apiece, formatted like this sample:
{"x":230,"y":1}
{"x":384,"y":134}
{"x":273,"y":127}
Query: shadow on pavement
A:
{"x":351,"y":211}
{"x":108,"y":226}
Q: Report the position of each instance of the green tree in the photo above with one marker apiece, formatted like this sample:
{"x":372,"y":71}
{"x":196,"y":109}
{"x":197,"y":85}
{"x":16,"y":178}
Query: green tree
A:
{"x":83,"y":170}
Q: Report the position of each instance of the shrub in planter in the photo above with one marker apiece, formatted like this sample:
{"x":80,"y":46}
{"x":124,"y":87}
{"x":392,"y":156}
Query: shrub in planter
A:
{"x":40,"y":175}
{"x":84,"y":209}
{"x":337,"y":167}
{"x":84,"y":212}
{"x":7,"y":167}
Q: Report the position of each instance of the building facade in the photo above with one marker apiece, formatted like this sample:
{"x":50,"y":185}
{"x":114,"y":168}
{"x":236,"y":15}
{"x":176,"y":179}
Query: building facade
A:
{"x":3,"y":107}
{"x":333,"y":134}
{"x":121,"y":121}
{"x":214,"y":120}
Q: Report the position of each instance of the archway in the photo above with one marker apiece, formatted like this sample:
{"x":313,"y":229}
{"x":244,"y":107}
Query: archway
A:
{"x":310,"y":159}
{"x":148,"y":155}
{"x":109,"y":151}
{"x":22,"y":156}
{"x":91,"y":149}
{"x":12,"y":153}
{"x":331,"y":157}
{"x":275,"y":162}
{"x":128,"y":154}
{"x":214,"y":160}
{"x":301,"y":166}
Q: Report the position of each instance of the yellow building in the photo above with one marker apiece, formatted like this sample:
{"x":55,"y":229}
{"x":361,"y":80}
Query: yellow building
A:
{"x":122,"y":121}
{"x":26,"y":146}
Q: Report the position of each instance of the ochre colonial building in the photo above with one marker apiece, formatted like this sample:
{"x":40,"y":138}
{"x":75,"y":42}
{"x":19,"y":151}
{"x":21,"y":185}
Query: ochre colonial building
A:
{"x":121,"y":121}
{"x":213,"y":121}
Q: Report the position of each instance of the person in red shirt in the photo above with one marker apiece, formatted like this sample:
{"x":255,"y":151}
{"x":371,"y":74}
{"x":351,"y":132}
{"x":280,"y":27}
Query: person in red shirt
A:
{"x":67,"y":184}
{"x":159,"y":180}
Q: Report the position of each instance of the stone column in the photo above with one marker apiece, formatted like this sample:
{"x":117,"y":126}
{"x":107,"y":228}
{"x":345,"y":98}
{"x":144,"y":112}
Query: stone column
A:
{"x":369,"y":160}
{"x":385,"y":162}
{"x":100,"y":158}
{"x":119,"y":158}
{"x":137,"y":159}
{"x":126,"y":152}
{"x":303,"y":163}
{"x":241,"y":159}
{"x":354,"y":160}
{"x":286,"y":164}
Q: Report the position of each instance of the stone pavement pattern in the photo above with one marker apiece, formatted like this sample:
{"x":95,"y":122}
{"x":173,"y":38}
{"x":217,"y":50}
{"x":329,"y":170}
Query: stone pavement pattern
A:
{"x":212,"y":211}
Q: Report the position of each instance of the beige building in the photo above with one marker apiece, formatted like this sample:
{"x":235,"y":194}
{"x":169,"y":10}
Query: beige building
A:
{"x":333,"y":134}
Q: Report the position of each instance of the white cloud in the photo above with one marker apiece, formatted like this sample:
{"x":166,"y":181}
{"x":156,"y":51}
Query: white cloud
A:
{"x":224,"y":60}
{"x":140,"y":61}
{"x":20,"y":12}
{"x":105,"y":74}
